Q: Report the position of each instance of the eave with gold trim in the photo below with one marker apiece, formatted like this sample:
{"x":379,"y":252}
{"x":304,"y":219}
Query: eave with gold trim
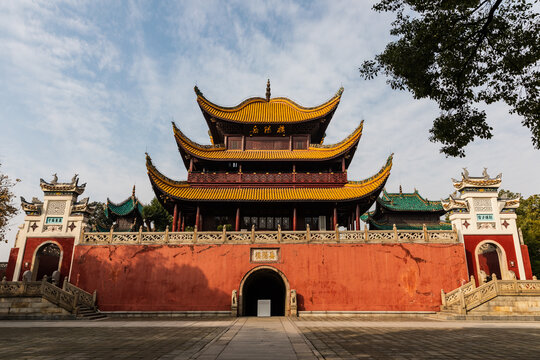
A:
{"x":351,"y":191}
{"x":346,"y":147}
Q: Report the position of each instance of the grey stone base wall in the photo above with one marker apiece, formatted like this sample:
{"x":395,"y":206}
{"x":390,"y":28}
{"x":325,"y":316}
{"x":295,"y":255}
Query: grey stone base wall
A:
{"x":164,"y":314}
{"x":509,"y":305}
{"x":19,"y":308}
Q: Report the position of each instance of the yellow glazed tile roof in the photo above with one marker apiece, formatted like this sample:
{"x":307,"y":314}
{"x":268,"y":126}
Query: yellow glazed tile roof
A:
{"x":314,"y":152}
{"x":350,"y":191}
{"x":261,"y":111}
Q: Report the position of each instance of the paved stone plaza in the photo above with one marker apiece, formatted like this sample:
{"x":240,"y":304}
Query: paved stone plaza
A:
{"x":269,"y":338}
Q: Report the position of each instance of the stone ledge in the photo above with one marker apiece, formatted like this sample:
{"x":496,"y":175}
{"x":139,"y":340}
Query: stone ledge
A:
{"x":164,"y":314}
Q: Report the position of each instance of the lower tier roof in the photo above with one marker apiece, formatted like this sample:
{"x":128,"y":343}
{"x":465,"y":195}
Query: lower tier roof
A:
{"x":182,"y":190}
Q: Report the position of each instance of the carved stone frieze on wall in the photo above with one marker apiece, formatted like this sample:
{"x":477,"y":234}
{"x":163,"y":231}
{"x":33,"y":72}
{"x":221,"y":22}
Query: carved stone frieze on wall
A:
{"x":56,"y":207}
{"x":485,"y":225}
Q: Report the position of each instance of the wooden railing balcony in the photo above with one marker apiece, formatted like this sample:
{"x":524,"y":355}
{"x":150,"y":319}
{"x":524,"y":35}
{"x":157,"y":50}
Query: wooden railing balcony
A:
{"x":272,"y":178}
{"x":270,"y":237}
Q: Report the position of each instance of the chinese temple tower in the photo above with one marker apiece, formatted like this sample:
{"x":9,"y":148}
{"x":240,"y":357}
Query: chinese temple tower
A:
{"x":267,"y":167}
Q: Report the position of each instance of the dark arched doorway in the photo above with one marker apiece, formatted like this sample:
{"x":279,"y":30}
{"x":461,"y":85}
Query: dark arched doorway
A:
{"x":264,"y":284}
{"x":489,"y":261}
{"x":47,"y":261}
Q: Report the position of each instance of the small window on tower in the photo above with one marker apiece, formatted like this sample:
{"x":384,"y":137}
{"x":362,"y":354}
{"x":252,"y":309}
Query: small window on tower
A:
{"x":300,"y":143}
{"x":235,"y":144}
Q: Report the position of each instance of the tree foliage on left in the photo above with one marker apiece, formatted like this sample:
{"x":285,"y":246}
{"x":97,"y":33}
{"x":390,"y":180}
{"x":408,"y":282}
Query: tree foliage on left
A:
{"x":156,"y":217}
{"x":7,"y":207}
{"x":97,"y":219}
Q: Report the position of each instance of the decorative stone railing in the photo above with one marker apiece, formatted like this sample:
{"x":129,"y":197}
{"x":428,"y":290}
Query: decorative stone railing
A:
{"x":275,"y":178}
{"x":468,"y":296}
{"x":69,"y":297}
{"x":270,"y":237}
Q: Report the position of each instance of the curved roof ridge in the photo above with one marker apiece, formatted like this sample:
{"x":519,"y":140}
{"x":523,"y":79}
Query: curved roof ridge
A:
{"x":152,"y":170}
{"x":249,"y":100}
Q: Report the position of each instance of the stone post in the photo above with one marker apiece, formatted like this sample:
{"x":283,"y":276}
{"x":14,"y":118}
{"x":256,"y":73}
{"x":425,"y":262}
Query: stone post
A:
{"x":195,"y":234}
{"x":224,"y":235}
{"x":64,"y":285}
{"x":426,"y":235}
{"x":166,"y":234}
{"x":337,"y":232}
{"x":294,"y":306}
{"x":308,"y":233}
{"x":111,"y":234}
{"x":366,"y":234}
{"x":279,"y":233}
{"x":234,"y":303}
{"x":252,"y":234}
{"x":139,"y":235}
{"x":394,"y":229}
{"x":94,"y":298}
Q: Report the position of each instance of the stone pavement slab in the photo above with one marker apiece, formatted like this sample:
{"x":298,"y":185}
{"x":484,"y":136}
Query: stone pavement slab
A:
{"x":259,"y":338}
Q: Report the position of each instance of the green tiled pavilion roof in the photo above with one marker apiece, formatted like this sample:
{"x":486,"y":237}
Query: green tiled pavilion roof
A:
{"x":408,"y":202}
{"x":125,"y":207}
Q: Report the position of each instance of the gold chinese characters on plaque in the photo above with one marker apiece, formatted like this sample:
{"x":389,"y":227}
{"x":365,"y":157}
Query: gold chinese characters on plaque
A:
{"x":264,"y":255}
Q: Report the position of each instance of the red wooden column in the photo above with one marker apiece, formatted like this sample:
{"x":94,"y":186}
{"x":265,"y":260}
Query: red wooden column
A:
{"x":197,"y":217}
{"x":237,"y":224}
{"x":180,"y":221}
{"x":175,"y":218}
{"x":294,"y":219}
{"x":335,"y":218}
{"x":357,"y":217}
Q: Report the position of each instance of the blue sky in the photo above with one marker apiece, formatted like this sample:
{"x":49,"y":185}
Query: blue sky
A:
{"x":89,"y":86}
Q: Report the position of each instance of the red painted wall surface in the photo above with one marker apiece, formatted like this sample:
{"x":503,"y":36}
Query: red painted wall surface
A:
{"x":505,"y":241}
{"x":403,"y":277}
{"x":526,"y":262}
{"x":66,"y":246}
{"x":12,"y":262}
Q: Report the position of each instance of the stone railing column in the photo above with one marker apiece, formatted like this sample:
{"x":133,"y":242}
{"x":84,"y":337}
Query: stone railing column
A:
{"x":111,"y":234}
{"x":224,"y":234}
{"x":394,"y":228}
{"x":279,"y":233}
{"x":195,"y":234}
{"x":426,"y":235}
{"x":166,"y":239}
{"x":337,"y":232}
{"x":139,"y":235}
{"x":443,"y":298}
{"x":253,"y":234}
{"x":294,"y":305}
{"x":308,"y":233}
{"x":234,"y":303}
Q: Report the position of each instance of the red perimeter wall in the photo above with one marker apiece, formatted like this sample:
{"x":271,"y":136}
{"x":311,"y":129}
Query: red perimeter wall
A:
{"x":12,"y":262}
{"x":347,"y":277}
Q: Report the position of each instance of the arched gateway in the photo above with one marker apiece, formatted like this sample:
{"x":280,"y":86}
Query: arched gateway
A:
{"x":264,"y":282}
{"x":46,"y":261}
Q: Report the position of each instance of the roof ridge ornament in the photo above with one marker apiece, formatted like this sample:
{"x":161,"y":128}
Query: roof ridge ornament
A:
{"x":268,"y":93}
{"x":340,"y":91}
{"x":133,"y":192}
{"x":197,"y":91}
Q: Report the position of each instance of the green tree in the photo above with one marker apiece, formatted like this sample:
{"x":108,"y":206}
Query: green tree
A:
{"x":7,"y":207}
{"x":461,"y":53}
{"x":97,"y":219}
{"x":528,"y":219}
{"x":154,"y":214}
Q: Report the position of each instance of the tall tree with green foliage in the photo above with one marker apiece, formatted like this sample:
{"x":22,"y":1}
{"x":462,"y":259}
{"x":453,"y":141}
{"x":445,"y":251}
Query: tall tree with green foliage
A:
{"x":461,"y":53}
{"x":156,"y":217}
{"x":528,"y":219}
{"x":97,"y":219}
{"x":7,"y":207}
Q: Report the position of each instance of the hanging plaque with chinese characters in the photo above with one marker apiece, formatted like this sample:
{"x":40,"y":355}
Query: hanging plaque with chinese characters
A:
{"x":265,"y":255}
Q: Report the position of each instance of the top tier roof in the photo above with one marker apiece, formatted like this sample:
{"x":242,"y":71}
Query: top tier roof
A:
{"x":258,"y":110}
{"x":281,"y":111}
{"x":56,"y":188}
{"x":485,"y":181}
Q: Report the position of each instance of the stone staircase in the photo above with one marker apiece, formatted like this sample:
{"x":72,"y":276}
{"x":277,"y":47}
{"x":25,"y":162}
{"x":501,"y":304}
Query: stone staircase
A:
{"x":519,"y":299}
{"x":43,"y":300}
